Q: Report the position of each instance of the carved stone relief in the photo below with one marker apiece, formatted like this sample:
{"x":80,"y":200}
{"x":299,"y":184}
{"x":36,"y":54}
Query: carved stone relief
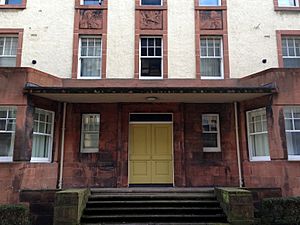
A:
{"x":151,"y":20}
{"x":211,"y":20}
{"x":91,"y":19}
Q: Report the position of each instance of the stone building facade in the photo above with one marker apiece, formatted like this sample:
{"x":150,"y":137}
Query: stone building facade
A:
{"x":149,"y":93}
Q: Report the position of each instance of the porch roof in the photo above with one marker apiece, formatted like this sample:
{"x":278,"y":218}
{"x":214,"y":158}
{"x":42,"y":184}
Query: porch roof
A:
{"x":150,"y":94}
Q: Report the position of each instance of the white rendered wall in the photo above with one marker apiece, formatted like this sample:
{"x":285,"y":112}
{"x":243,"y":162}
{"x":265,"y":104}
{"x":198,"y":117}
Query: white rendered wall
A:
{"x":120,"y":39}
{"x":252,"y":29}
{"x":181,"y":39}
{"x":48,"y":34}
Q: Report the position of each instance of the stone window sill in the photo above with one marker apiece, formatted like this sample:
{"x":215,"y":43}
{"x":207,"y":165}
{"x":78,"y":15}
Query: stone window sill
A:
{"x":288,"y":9}
{"x":13,"y":6}
{"x":90,"y":7}
{"x":211,"y":7}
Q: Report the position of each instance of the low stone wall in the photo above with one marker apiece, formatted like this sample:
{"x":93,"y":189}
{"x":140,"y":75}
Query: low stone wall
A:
{"x":69,"y":205}
{"x":237,"y":205}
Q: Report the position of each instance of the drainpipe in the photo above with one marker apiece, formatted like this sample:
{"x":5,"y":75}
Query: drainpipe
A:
{"x":238,"y":144}
{"x":62,"y":148}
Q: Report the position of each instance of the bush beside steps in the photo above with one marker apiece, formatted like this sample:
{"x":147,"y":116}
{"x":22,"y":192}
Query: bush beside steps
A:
{"x":14,"y":215}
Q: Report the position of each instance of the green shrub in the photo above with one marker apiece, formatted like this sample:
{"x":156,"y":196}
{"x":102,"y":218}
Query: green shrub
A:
{"x":281,"y":211}
{"x":14,"y":215}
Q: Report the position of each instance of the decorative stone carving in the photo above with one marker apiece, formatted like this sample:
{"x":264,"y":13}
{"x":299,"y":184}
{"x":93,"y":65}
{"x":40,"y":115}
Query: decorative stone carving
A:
{"x":211,"y":20}
{"x":151,"y":20}
{"x":91,"y":19}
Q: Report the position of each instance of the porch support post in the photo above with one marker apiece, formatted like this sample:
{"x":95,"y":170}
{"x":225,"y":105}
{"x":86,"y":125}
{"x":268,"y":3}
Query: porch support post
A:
{"x":238,"y":144}
{"x":62,"y":149}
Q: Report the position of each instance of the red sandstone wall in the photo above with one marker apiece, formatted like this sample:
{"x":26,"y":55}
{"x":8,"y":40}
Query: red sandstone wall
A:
{"x":279,"y":172}
{"x":21,"y":174}
{"x":210,"y":169}
{"x":108,"y":168}
{"x":17,"y":176}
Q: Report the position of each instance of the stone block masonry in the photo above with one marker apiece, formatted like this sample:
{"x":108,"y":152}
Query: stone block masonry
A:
{"x":69,"y":206}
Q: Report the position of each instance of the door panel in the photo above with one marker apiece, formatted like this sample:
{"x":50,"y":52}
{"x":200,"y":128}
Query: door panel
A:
{"x":161,"y":142}
{"x":150,"y":152}
{"x":162,"y":172}
{"x":140,"y":153}
{"x":140,"y":137}
{"x":140,"y":171}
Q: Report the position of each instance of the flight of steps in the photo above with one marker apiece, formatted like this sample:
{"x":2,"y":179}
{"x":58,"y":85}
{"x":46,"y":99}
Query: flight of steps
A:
{"x":153,"y":206}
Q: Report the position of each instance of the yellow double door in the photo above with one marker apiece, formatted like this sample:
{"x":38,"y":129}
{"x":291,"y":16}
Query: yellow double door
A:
{"x":150,"y":154}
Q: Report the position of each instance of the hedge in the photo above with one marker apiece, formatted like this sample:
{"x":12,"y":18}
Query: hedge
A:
{"x":14,"y":215}
{"x":281,"y":211}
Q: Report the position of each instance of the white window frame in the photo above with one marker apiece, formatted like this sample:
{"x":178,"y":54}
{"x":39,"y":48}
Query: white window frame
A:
{"x":2,"y":53}
{"x":218,"y":148}
{"x":210,"y":57}
{"x":151,"y":57}
{"x":251,"y":157}
{"x":287,"y":47}
{"x":295,"y":5}
{"x":219,"y":3}
{"x":49,"y":158}
{"x":82,"y":2}
{"x":80,"y":57}
{"x":91,"y":150}
{"x":2,"y":2}
{"x":291,"y":108}
{"x":161,"y":3}
{"x":8,"y":158}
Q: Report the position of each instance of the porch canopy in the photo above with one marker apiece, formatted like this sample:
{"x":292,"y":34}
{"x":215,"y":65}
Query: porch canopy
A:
{"x":149,"y":94}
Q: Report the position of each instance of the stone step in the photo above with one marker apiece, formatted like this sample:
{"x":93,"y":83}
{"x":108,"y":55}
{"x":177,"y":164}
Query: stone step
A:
{"x":151,"y":190}
{"x":151,"y":203}
{"x":152,"y":196}
{"x":191,"y":223}
{"x":156,"y":210}
{"x":153,"y":218}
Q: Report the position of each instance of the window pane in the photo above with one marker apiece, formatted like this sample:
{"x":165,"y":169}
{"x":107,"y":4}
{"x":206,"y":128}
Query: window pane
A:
{"x":7,"y":62}
{"x":144,"y":51}
{"x":13,"y":2}
{"x":211,"y":67}
{"x":90,"y":67}
{"x":3,"y":113}
{"x":260,"y":145}
{"x":297,"y":124}
{"x":144,"y":42}
{"x":151,"y":2}
{"x":210,"y":140}
{"x":151,"y":67}
{"x":287,"y":2}
{"x":91,"y":140}
{"x":157,"y":42}
{"x":296,"y":112}
{"x":158,"y":52}
{"x":40,"y":146}
{"x":11,"y":125}
{"x":150,"y":41}
{"x":150,"y":51}
{"x":293,"y":143}
{"x":91,"y":2}
{"x":291,"y":62}
{"x":209,"y":2}
{"x":209,"y":123}
{"x":6,"y":144}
